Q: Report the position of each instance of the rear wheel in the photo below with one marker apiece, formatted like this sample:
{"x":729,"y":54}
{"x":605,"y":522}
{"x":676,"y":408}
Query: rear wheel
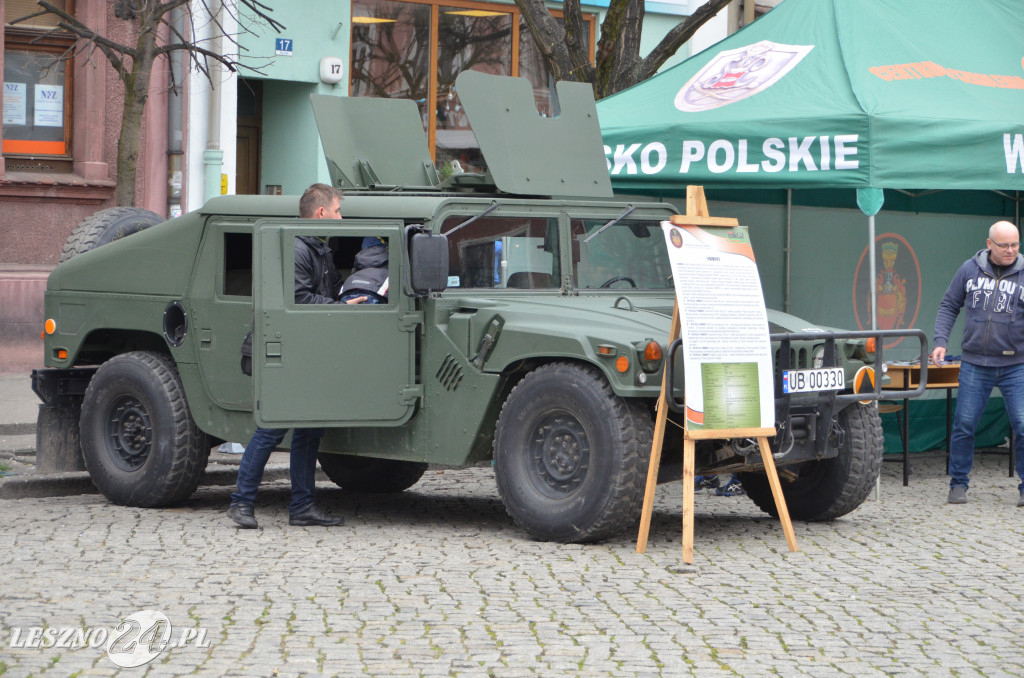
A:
{"x":139,"y":442}
{"x":828,"y":489}
{"x":106,"y":226}
{"x":366,"y":474}
{"x":570,"y":456}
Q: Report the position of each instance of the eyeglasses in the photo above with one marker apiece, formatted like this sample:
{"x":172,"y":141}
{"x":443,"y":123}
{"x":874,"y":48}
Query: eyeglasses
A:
{"x":1005,"y":246}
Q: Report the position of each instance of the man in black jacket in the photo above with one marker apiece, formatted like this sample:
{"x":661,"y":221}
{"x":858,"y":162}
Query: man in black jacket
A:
{"x":316,"y":281}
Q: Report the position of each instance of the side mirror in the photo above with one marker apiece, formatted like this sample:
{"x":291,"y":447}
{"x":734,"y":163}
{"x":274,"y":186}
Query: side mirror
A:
{"x":428,"y":261}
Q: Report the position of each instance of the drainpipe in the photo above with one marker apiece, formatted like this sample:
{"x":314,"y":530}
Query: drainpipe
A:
{"x":213,"y":156}
{"x":748,"y":12}
{"x":174,"y":122}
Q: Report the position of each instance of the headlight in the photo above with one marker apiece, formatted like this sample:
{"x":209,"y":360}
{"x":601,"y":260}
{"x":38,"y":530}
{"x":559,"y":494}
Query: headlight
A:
{"x":818,"y":357}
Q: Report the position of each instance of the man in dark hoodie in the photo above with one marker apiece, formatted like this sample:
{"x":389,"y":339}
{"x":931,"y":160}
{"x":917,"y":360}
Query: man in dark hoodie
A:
{"x":990,"y":287}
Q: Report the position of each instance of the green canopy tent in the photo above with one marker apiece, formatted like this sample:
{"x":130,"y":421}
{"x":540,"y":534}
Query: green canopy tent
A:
{"x":835,"y":93}
{"x":832,"y":94}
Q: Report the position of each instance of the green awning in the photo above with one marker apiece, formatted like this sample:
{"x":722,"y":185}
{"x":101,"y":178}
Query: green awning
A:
{"x":834,"y":93}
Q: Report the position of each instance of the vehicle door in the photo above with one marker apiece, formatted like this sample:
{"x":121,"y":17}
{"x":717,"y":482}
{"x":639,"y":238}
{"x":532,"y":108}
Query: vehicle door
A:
{"x":330,"y":364}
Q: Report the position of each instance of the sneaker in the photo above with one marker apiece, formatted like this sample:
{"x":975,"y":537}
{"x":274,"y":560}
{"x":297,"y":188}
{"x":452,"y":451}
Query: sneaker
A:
{"x":705,"y":482}
{"x":1020,"y":502}
{"x":314,"y":516}
{"x":731,"y":489}
{"x":957,"y":495}
{"x":243,"y":515}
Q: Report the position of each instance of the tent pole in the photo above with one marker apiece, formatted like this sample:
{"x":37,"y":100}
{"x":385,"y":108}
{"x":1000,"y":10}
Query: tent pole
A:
{"x":872,"y":283}
{"x":789,"y":243}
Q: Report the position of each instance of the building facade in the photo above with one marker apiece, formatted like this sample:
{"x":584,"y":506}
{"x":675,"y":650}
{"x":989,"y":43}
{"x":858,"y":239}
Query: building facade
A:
{"x":59,"y":144}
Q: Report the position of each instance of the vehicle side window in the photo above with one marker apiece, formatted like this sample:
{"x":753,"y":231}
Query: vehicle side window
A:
{"x":237,"y":264}
{"x":503,"y":252}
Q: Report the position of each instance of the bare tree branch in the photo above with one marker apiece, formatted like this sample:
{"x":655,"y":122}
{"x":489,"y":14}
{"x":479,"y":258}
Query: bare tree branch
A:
{"x":679,"y":34}
{"x":618,"y":63}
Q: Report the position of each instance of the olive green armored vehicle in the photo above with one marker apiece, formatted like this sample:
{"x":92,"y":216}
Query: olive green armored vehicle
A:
{"x":525,"y":324}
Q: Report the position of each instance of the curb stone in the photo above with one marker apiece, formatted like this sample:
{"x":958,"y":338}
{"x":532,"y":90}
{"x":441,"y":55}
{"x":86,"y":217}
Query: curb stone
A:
{"x":78,"y":482}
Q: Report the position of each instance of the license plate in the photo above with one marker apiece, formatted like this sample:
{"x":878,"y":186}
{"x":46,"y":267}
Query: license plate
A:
{"x":805,"y":381}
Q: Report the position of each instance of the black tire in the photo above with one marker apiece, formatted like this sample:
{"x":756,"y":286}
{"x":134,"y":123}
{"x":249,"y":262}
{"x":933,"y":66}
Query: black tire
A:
{"x":828,"y":489}
{"x":106,"y":226}
{"x":366,"y":474}
{"x":570,"y":456}
{"x":140,"y":444}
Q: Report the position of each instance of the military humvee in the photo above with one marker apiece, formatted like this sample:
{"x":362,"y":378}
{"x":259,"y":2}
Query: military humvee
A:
{"x":526,"y":325}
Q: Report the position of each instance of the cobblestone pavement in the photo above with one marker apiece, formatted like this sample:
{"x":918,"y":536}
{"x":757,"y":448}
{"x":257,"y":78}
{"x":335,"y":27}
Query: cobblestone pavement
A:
{"x":438,"y":582}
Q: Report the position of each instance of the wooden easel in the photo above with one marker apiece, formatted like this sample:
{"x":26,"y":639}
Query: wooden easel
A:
{"x":697,"y":214}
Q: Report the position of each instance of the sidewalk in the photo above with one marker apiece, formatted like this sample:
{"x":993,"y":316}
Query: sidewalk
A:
{"x":19,"y":407}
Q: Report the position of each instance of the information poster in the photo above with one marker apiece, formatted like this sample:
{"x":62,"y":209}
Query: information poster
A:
{"x":727,"y":357}
{"x":49,"y":106}
{"x":14,"y":103}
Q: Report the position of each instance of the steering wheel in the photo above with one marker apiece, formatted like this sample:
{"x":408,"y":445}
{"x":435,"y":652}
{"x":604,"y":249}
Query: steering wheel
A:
{"x":619,"y":278}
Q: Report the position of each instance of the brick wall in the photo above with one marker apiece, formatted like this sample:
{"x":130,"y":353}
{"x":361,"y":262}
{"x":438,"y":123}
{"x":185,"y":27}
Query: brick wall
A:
{"x":21,"y":316}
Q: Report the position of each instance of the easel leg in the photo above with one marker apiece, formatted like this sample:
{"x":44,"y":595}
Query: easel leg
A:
{"x":660,"y":421}
{"x":780,"y":501}
{"x":689,"y":455}
{"x":652,"y":478}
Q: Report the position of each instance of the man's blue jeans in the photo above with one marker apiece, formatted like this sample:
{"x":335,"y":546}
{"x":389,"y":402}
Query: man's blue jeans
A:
{"x":302,"y":465}
{"x":976,"y":384}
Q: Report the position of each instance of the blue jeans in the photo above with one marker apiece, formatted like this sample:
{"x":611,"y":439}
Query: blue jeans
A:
{"x":976,"y":384}
{"x":302,"y":465}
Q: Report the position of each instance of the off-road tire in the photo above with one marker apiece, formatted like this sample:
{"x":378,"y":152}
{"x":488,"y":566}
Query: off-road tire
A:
{"x":570,"y":456}
{"x":106,"y":226}
{"x":828,"y":489}
{"x":140,"y":444}
{"x":374,"y":476}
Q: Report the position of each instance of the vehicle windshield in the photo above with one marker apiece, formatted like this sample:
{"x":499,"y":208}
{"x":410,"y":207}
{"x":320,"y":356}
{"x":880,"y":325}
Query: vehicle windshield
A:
{"x":629,"y":254}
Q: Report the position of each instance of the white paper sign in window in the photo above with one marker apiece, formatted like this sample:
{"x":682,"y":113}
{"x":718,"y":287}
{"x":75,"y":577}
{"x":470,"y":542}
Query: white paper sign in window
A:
{"x":14,"y":103}
{"x":49,"y":106}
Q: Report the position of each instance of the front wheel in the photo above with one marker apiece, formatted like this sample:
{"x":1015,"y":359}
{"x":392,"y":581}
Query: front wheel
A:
{"x":139,"y":442}
{"x":366,"y":474}
{"x":570,"y":456}
{"x":830,"y":488}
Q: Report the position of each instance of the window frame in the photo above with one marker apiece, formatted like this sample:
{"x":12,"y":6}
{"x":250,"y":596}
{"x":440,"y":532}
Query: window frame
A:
{"x":89,"y":180}
{"x":51,"y":43}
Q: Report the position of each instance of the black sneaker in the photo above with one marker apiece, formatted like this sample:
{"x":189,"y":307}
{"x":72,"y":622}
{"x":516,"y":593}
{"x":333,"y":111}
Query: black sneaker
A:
{"x":243,"y":515}
{"x":957,"y":495}
{"x":314,"y":516}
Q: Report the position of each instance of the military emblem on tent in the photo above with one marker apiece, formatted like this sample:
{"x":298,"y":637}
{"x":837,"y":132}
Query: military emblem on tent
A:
{"x":897,"y":286}
{"x":736,"y":74}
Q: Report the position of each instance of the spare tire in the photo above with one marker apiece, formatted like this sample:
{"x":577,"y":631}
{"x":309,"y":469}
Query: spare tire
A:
{"x":106,"y":226}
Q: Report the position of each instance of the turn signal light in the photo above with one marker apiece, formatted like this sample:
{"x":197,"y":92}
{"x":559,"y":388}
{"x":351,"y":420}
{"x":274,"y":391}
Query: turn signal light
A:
{"x":62,"y":354}
{"x":652,"y":351}
{"x":622,"y":364}
{"x":50,"y":326}
{"x":869,"y":345}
